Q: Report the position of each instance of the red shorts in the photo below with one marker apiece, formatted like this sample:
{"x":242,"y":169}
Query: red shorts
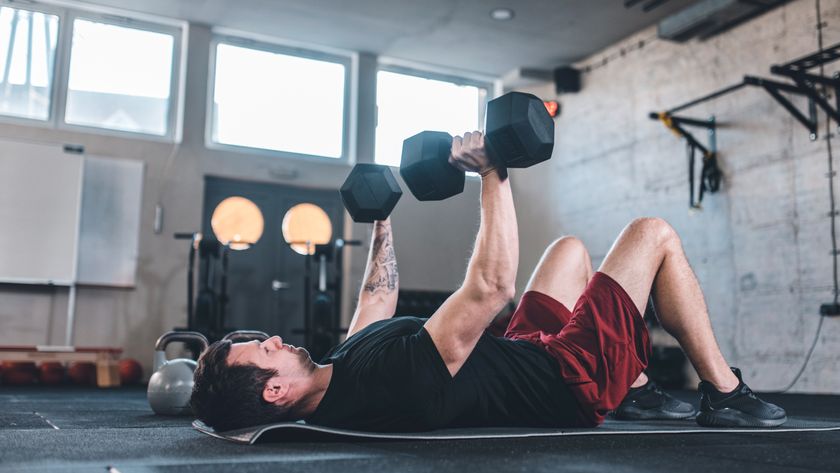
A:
{"x":601,"y":346}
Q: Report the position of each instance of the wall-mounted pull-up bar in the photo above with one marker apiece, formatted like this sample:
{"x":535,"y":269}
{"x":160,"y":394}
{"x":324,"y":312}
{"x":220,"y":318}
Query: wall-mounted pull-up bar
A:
{"x":805,"y":85}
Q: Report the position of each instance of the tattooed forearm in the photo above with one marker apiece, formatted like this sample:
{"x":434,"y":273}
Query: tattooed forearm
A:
{"x":381,"y":275}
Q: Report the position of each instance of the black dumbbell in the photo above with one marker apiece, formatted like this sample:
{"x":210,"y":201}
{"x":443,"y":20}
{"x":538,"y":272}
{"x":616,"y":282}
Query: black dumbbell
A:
{"x":370,"y":192}
{"x":519,"y":133}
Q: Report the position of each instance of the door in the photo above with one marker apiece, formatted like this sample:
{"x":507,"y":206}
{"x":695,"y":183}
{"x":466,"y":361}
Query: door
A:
{"x":265,"y":282}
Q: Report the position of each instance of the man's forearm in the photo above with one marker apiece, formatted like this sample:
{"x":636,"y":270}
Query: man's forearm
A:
{"x":381,"y":284}
{"x":382,"y":280}
{"x":493,"y":265}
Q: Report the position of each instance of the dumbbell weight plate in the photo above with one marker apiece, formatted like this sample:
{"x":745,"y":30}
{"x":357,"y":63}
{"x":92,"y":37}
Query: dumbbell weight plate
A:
{"x":370,"y":192}
{"x":425,"y":166}
{"x":519,"y":130}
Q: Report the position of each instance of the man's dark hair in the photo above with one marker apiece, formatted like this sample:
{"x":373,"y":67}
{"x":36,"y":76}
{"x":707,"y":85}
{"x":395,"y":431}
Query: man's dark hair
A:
{"x":228,"y":397}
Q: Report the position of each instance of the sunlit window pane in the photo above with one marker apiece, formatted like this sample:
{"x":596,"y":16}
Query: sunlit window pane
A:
{"x":119,"y":78}
{"x":409,"y":104}
{"x":27,"y":54}
{"x":278,"y":102}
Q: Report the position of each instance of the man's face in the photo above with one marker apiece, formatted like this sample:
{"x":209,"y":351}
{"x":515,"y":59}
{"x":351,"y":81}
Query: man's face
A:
{"x":288,"y":360}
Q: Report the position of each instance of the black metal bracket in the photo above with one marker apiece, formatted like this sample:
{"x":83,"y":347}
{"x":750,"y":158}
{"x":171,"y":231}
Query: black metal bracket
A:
{"x":710,"y":174}
{"x":775,"y":90}
{"x":678,"y":124}
{"x":805,"y":84}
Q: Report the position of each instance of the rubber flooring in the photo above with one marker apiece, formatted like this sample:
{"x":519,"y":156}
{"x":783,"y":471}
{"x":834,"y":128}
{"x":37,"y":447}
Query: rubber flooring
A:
{"x":91,"y":430}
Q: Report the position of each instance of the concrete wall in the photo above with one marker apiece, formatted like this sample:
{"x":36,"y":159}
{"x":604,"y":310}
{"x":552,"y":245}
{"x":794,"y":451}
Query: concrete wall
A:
{"x":761,"y":246}
{"x":433,"y":241}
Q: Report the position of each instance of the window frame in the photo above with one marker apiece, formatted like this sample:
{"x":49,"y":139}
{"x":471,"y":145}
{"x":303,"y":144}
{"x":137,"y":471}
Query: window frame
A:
{"x":67,"y":13}
{"x":50,"y":122}
{"x":173,"y":115}
{"x":491,"y":86}
{"x":244,"y":40}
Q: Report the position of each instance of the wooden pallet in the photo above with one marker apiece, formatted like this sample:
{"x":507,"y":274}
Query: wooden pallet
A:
{"x":105,"y":358}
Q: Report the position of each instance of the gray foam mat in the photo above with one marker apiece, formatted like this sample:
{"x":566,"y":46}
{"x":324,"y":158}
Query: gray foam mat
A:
{"x":302,"y":432}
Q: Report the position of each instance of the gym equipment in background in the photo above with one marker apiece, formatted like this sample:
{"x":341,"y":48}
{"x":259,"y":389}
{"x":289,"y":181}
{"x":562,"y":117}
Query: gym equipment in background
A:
{"x":170,"y":387}
{"x":131,"y":372}
{"x":51,"y":373}
{"x":82,"y":373}
{"x":19,"y":373}
{"x":93,"y":366}
{"x":519,"y":132}
{"x":805,"y":83}
{"x":245,"y":336}
{"x":206,"y":312}
{"x":308,"y":232}
{"x":321,"y":292}
{"x":418,"y":303}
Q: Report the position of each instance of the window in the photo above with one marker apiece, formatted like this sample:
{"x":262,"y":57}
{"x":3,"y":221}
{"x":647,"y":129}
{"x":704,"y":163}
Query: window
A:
{"x":121,"y":77}
{"x":265,"y":98}
{"x":27,"y":54}
{"x":408,"y":104}
{"x":116,"y":72}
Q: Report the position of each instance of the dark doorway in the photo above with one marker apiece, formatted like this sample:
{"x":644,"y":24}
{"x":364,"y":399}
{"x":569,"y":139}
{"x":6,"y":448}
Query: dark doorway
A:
{"x":266,"y":281}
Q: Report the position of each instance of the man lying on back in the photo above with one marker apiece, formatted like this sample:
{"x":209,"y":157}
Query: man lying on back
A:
{"x":571,"y":352}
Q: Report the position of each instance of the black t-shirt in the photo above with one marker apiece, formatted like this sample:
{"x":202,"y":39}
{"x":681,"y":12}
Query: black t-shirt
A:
{"x":391,"y":377}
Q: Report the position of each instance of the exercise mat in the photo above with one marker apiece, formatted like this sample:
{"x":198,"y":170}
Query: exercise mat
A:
{"x":303,"y":432}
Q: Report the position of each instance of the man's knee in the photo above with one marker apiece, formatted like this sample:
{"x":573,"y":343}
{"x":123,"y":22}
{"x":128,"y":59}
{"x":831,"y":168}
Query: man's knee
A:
{"x":654,"y":229}
{"x":567,"y":246}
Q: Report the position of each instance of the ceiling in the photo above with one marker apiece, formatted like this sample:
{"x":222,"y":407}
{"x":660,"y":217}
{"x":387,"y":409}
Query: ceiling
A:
{"x":457,"y":34}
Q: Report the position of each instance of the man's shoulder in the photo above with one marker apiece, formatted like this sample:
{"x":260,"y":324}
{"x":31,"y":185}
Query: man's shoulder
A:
{"x":376,"y":334}
{"x":394,"y":325}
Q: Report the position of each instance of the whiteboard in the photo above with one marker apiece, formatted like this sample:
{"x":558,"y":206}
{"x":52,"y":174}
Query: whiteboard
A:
{"x":67,"y":218}
{"x":112,"y":193}
{"x":40,"y":193}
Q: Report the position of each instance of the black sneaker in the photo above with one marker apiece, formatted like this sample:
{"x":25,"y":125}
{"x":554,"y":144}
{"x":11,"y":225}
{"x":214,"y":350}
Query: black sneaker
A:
{"x":739,"y":408}
{"x":649,"y":402}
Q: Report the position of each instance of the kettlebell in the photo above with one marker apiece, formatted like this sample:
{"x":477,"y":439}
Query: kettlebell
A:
{"x":246,"y":335}
{"x":170,"y":387}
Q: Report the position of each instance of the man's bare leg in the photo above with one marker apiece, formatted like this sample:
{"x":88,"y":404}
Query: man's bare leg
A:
{"x":648,"y":256}
{"x":563,"y":273}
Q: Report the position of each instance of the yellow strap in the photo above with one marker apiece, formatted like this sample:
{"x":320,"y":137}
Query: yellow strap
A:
{"x":669,"y":124}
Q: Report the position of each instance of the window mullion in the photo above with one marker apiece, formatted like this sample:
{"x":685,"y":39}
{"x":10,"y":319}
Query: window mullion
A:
{"x":62,"y":67}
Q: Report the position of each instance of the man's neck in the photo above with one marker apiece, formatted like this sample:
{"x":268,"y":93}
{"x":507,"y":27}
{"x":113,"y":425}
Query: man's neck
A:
{"x":320,"y":382}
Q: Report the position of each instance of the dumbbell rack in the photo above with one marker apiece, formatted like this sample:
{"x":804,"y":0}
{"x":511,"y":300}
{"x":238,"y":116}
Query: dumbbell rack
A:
{"x":105,"y":358}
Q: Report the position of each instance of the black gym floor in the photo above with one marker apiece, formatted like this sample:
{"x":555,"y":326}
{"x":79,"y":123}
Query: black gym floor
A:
{"x":89,"y":430}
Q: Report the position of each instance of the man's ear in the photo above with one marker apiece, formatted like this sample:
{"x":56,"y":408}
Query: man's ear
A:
{"x":275,"y":390}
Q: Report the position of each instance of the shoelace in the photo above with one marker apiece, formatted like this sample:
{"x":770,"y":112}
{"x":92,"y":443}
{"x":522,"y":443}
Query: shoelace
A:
{"x":747,"y":391}
{"x":652,"y":386}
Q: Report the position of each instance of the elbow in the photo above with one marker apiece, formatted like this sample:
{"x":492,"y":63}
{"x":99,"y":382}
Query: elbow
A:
{"x":495,"y":294}
{"x":504,"y":295}
{"x":508,"y":292}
